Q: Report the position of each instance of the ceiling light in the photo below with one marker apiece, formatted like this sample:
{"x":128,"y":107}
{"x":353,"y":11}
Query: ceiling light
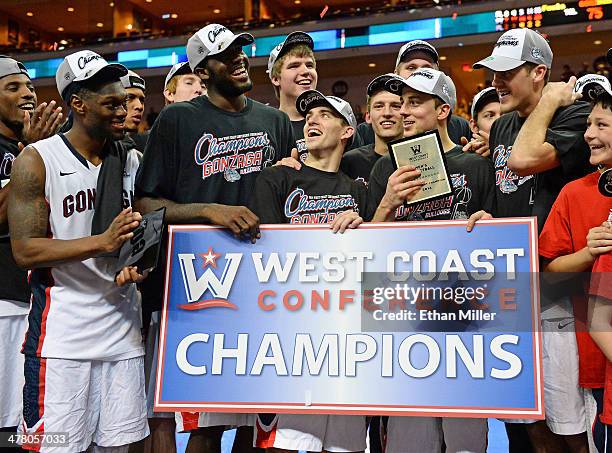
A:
{"x":148,"y":1}
{"x":63,"y":42}
{"x":297,"y":2}
{"x":111,"y":4}
{"x":60,"y":28}
{"x":129,"y":26}
{"x":174,"y":15}
{"x":216,"y":11}
{"x":166,"y":16}
{"x":70,"y":9}
{"x":99,"y":25}
{"x":29,"y":14}
{"x":442,"y":57}
{"x":371,"y":65}
{"x":597,"y":42}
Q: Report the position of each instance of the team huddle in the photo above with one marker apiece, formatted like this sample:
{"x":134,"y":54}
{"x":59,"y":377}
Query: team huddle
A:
{"x":75,"y":187}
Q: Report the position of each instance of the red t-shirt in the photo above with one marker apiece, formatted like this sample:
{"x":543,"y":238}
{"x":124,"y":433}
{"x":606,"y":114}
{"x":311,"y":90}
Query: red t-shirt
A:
{"x":601,"y":285}
{"x":578,"y":208}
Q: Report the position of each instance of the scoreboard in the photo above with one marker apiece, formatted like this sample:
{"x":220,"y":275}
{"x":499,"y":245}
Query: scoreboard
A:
{"x":544,"y":15}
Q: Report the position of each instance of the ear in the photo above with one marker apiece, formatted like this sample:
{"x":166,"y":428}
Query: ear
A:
{"x":473,"y":126}
{"x":539,"y":73}
{"x":348,"y":133}
{"x":444,"y":110}
{"x":77,"y":105}
{"x":367,"y":118}
{"x":202,"y":73}
{"x":275,"y":81}
{"x":168,"y":96}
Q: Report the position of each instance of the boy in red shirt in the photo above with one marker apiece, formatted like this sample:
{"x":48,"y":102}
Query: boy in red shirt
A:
{"x":573,"y":237}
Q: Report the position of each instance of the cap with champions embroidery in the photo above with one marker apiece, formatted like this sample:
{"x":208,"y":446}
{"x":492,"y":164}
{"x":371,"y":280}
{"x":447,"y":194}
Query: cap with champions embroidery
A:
{"x":293,"y":39}
{"x":83,"y":65}
{"x":429,"y":81}
{"x":212,"y":40}
{"x":516,"y":47}
{"x":313,"y":98}
{"x":592,"y":86}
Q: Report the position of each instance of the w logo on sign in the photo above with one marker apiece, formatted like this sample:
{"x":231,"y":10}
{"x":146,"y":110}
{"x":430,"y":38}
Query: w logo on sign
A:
{"x":219,"y":288}
{"x":416,"y":149}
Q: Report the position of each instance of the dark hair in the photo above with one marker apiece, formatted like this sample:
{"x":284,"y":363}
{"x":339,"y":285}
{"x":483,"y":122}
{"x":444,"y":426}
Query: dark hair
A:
{"x":604,"y":99}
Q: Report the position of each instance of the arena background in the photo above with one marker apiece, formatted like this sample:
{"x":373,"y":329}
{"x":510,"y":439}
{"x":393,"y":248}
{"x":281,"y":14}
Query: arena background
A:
{"x":354,"y":41}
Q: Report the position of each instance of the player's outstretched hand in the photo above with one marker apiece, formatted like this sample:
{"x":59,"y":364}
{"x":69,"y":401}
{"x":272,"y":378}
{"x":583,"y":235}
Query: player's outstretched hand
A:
{"x":239,"y":219}
{"x":120,"y":230}
{"x":44,"y":121}
{"x":599,"y":239}
{"x":344,"y":220}
{"x":129,"y":274}
{"x":293,"y":161}
{"x":480,"y":215}
{"x":402,"y":186}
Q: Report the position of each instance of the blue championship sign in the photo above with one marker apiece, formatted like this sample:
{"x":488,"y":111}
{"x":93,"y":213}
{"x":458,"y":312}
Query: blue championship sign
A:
{"x":414,"y":318}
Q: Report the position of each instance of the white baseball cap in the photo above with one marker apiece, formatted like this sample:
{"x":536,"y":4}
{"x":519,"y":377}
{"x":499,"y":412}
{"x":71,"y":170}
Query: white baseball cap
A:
{"x":516,"y":47}
{"x":482,"y":98}
{"x":592,"y":85}
{"x":429,"y":81}
{"x":83,"y":65}
{"x":212,"y":40}
{"x":293,"y":39}
{"x":417,"y":45}
{"x":132,"y":80}
{"x":176,"y":70}
{"x":313,"y":98}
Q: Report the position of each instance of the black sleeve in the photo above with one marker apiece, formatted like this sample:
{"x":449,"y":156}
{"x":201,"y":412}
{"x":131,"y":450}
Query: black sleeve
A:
{"x":360,"y":193}
{"x":377,"y":185}
{"x":566,"y":134}
{"x":287,"y":142}
{"x":267,"y":201}
{"x":157,"y":173}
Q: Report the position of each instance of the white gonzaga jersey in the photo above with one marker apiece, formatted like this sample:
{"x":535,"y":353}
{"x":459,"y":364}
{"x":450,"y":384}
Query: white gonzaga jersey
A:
{"x":78,"y":312}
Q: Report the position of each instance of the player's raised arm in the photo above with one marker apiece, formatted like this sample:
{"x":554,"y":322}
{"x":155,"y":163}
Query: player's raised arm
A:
{"x":28,"y":221}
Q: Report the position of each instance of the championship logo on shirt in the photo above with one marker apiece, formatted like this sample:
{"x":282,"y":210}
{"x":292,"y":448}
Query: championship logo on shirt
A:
{"x":303,"y":208}
{"x":5,"y":165}
{"x":234,"y":155}
{"x":219,"y":287}
{"x":463,"y":195}
{"x":505,"y":179}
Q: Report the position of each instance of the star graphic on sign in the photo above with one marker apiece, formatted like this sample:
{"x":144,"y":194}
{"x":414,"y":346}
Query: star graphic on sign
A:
{"x":209,"y":258}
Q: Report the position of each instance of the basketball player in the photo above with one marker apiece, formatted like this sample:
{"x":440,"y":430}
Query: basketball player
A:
{"x":84,"y":325}
{"x":412,"y":56}
{"x":21,"y":122}
{"x":135,"y":87}
{"x":292,"y":69}
{"x":182,"y":84}
{"x":201,"y":188}
{"x":330,"y":123}
{"x":428,"y":97}
{"x":485,"y":110}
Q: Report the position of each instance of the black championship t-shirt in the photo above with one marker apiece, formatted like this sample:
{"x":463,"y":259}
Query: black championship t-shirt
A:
{"x":198,"y":153}
{"x":298,"y":135}
{"x":358,"y":163}
{"x":519,"y":196}
{"x":457,"y":127}
{"x":13,"y":281}
{"x":308,"y":195}
{"x":472,"y":179}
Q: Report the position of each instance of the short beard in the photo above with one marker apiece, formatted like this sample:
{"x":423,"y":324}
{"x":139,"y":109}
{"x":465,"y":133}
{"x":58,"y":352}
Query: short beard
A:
{"x":228,"y":89}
